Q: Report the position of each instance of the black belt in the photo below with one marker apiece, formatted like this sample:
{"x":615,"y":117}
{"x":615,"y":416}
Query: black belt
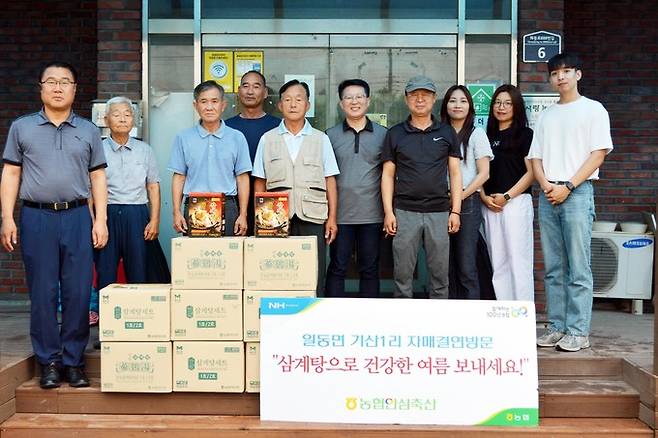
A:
{"x":57,"y":206}
{"x":559,"y":183}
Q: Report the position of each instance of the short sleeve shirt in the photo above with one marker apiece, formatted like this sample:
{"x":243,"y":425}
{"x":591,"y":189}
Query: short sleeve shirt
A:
{"x":421,"y":165}
{"x":478,"y":147}
{"x":359,"y":157}
{"x":210,"y":161}
{"x":566,"y":135}
{"x":508,"y":166}
{"x":294,"y":143}
{"x":253,"y":129}
{"x":129,"y":168}
{"x":55,"y":160}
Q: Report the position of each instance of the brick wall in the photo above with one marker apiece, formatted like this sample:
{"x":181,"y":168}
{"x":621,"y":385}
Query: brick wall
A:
{"x":537,"y":15}
{"x":618,"y":43}
{"x":119,"y":48}
{"x":33,"y":32}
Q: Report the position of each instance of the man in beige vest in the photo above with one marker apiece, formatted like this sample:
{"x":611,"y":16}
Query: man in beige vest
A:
{"x":298,"y":159}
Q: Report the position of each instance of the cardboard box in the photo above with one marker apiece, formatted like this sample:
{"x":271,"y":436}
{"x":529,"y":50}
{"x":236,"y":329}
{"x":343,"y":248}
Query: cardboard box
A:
{"x":213,"y":315}
{"x":209,"y":366}
{"x":252,"y":367}
{"x":281,"y":264}
{"x":271,"y":214}
{"x":136,"y":367}
{"x":210,"y":263}
{"x":205,"y":215}
{"x":252,"y":309}
{"x":134,"y":312}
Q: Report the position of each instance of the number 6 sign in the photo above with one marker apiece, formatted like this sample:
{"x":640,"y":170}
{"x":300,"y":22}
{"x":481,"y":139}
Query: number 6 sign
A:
{"x":541,"y":46}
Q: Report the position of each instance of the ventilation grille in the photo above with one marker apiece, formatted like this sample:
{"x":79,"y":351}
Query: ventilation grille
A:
{"x":605,"y":258}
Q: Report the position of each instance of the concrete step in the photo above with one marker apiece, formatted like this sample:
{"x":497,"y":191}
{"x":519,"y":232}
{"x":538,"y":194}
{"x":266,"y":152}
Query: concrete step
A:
{"x":557,"y":398}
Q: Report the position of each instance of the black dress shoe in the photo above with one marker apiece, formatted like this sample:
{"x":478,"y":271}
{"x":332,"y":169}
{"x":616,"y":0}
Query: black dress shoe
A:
{"x":50,"y":377}
{"x":76,"y":377}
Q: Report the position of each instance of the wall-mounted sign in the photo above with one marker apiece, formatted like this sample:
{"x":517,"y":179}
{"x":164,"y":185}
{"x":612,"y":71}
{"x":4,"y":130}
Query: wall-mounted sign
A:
{"x":535,"y":103}
{"x":482,"y":95}
{"x":541,"y":46}
{"x":244,"y":62}
{"x":218,"y":66}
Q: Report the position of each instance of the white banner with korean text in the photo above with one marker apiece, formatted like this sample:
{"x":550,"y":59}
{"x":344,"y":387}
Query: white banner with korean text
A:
{"x":386,"y":361}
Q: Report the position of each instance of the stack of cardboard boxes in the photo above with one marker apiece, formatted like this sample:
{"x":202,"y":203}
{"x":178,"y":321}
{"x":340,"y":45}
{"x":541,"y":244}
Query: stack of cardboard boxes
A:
{"x":210,"y":308}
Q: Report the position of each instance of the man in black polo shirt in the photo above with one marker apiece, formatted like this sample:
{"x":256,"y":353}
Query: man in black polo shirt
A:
{"x":418,"y":154}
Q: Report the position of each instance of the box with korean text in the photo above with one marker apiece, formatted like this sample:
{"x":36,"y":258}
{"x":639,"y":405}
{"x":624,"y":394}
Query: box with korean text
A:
{"x":134,"y":312}
{"x":209,"y":366}
{"x":212,"y":315}
{"x":209,"y":263}
{"x":136,"y":367}
{"x":281,"y":263}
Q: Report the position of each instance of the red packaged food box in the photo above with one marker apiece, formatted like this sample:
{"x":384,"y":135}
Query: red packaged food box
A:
{"x":205,"y":214}
{"x":271,"y":214}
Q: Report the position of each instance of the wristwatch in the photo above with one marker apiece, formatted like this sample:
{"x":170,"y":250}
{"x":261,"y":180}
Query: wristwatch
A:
{"x":570,"y":186}
{"x":507,"y":196}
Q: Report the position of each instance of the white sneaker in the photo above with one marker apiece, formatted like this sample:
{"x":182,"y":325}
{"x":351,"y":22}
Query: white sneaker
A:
{"x":550,"y":338}
{"x":573,"y":343}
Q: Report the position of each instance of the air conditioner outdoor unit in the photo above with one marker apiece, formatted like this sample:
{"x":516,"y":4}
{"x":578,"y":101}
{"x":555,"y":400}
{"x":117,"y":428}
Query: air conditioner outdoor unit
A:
{"x":622,"y":265}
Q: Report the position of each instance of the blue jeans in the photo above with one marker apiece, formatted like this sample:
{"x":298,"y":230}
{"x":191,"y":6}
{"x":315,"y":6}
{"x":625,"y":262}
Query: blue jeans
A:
{"x":464,"y":282}
{"x":566,"y":236}
{"x":367,"y":238}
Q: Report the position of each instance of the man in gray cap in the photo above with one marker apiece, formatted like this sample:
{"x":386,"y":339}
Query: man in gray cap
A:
{"x":418,"y":155}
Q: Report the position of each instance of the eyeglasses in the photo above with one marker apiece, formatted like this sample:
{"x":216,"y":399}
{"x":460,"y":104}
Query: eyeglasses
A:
{"x":503,"y":103}
{"x":357,"y":98}
{"x":52,"y":83}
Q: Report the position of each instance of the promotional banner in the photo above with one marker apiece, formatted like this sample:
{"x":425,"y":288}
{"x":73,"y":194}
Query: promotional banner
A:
{"x":391,"y":361}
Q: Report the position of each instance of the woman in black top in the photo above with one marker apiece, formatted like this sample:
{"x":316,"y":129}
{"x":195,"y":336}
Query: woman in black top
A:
{"x":507,"y":197}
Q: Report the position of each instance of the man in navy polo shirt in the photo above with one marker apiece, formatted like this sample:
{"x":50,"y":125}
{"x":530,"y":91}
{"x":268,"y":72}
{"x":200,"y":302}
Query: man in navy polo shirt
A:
{"x":211,"y":158}
{"x":53,"y":155}
{"x":253,"y":122}
{"x":418,"y":154}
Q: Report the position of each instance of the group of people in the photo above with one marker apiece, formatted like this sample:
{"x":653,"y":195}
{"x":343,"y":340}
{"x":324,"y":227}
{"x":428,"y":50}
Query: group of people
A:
{"x":427,"y":181}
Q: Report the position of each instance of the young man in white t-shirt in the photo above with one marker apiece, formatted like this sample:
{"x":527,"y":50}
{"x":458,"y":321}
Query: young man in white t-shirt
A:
{"x":570,"y":143}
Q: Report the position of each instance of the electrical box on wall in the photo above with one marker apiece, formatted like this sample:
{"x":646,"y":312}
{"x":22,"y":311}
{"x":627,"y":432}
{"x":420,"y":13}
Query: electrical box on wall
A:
{"x":98,"y":109}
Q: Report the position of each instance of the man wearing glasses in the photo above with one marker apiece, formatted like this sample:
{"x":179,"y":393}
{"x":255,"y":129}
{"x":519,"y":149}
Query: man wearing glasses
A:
{"x":253,"y":122}
{"x":49,"y":161}
{"x":357,"y":143}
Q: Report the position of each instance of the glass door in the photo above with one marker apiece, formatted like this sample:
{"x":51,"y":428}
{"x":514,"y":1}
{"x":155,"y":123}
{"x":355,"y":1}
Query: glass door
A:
{"x":386,"y":62}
